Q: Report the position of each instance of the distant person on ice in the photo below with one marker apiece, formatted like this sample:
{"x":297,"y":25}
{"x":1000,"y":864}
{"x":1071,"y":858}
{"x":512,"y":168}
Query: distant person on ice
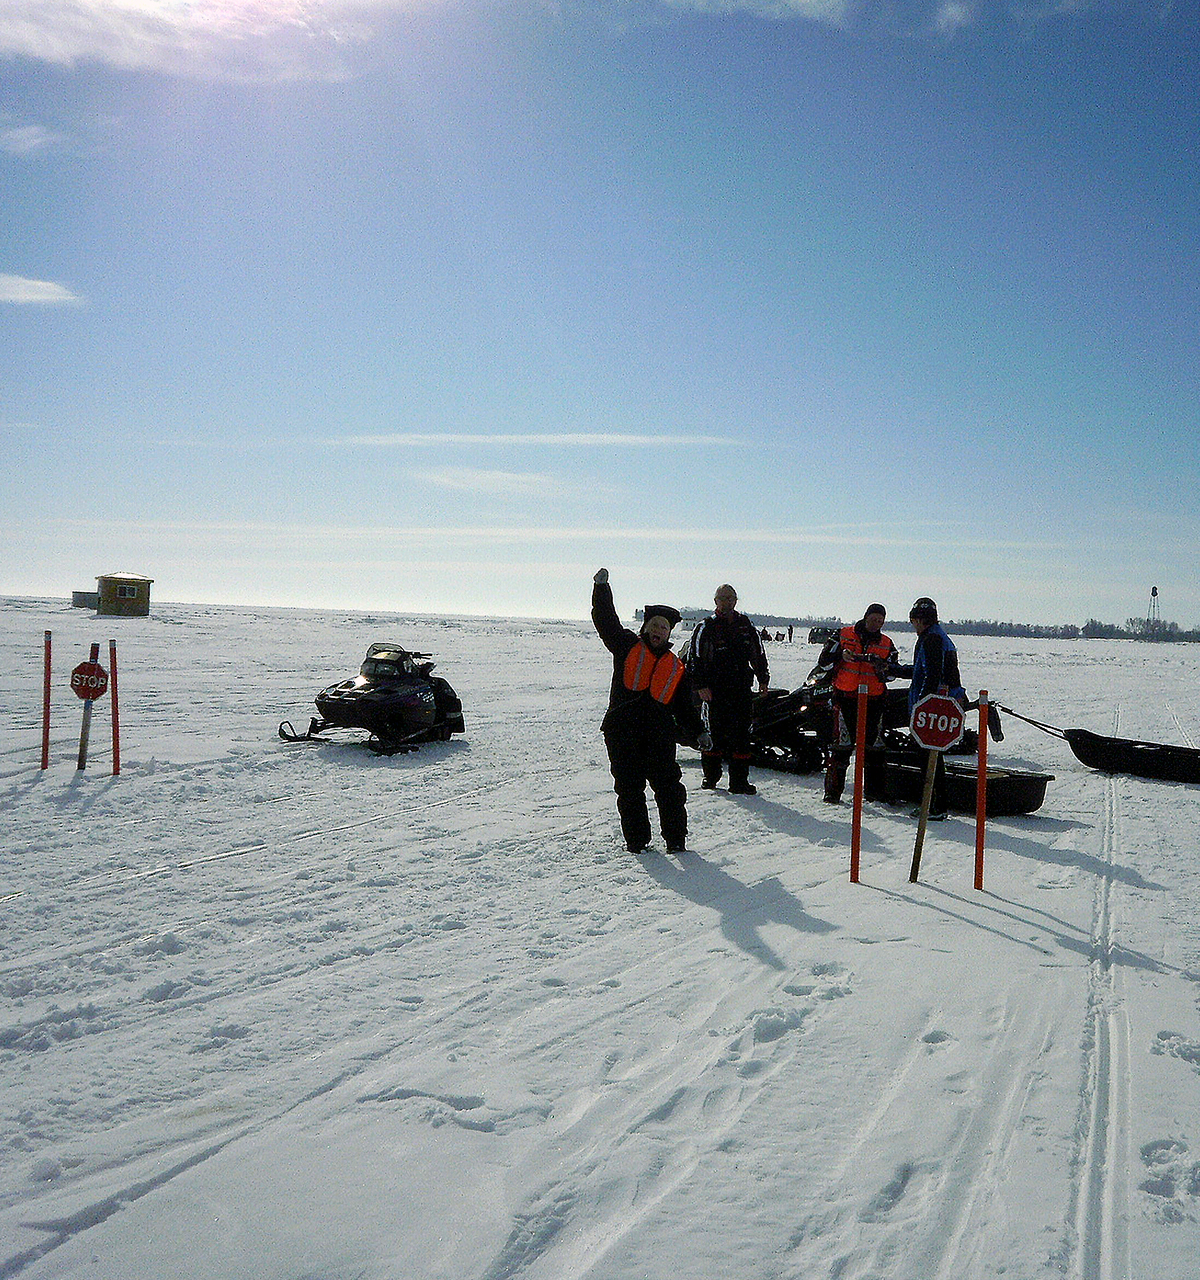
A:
{"x":725,"y":653}
{"x":650,"y":694}
{"x":858,"y":654}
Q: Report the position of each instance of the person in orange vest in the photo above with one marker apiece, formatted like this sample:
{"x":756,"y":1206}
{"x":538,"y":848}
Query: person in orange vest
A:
{"x":858,"y":654}
{"x":650,"y":695}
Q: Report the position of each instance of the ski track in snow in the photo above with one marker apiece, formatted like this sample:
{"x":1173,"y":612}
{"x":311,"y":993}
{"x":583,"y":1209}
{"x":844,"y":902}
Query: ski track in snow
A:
{"x":1101,"y":1192}
{"x":731,"y":1060}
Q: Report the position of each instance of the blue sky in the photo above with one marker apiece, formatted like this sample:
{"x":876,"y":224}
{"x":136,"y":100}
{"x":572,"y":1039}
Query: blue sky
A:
{"x":437,"y":306}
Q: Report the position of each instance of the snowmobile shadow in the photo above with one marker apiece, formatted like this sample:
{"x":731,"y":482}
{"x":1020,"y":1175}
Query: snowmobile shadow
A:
{"x":745,"y":908}
{"x":353,"y":753}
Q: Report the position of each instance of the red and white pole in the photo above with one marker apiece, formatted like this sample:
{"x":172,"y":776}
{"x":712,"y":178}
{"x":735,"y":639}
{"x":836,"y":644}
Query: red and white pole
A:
{"x":46,"y":704}
{"x":860,"y":746}
{"x":981,"y":789}
{"x":112,"y":685}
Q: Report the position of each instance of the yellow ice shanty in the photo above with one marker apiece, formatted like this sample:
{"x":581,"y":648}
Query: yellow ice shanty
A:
{"x":123,"y":595}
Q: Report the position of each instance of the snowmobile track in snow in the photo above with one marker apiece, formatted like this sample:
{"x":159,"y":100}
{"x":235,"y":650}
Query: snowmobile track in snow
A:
{"x":1100,"y":1189}
{"x":111,"y":879}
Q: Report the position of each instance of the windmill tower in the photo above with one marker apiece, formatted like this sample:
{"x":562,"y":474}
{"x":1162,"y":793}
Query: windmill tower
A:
{"x":1153,"y":621}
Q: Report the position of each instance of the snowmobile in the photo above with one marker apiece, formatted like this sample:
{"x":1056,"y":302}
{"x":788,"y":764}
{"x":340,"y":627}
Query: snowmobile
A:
{"x":791,"y":730}
{"x":394,"y":698}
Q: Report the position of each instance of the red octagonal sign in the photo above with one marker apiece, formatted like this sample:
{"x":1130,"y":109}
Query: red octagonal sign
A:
{"x":90,"y":681}
{"x":937,"y":722}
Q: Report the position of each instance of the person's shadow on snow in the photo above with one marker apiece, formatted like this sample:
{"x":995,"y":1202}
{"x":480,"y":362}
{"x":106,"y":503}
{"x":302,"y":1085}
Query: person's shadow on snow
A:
{"x":744,"y":908}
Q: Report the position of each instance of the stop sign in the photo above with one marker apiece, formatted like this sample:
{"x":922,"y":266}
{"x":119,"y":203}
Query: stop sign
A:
{"x":937,"y":722}
{"x":90,"y":681}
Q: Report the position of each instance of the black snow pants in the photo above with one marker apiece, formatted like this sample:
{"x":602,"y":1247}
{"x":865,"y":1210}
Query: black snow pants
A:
{"x":729,"y":715}
{"x":845,"y":726}
{"x":636,"y":761}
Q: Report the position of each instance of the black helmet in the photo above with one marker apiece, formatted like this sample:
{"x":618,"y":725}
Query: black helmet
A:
{"x":924,"y":609}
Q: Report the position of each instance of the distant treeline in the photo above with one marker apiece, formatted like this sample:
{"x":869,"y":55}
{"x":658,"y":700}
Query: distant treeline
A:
{"x":1092,"y":629}
{"x":692,"y":616}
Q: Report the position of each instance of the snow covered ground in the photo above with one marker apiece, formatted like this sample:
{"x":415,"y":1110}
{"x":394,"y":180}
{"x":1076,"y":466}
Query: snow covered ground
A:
{"x":299,"y":1012}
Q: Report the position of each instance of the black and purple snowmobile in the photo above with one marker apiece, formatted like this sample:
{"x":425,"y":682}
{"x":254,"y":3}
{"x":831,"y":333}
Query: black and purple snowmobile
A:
{"x":394,"y":697}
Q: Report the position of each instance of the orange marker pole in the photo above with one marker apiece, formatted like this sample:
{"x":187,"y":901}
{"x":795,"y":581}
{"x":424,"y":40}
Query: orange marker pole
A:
{"x":112,"y":686}
{"x":981,"y":789}
{"x":860,"y":746}
{"x":46,"y":705}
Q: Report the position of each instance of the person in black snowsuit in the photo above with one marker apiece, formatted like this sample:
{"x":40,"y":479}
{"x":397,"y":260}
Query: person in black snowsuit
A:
{"x":725,"y":653}
{"x":650,"y":694}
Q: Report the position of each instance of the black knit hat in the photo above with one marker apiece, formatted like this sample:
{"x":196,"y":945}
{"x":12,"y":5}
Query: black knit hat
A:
{"x":875,"y":608}
{"x":660,"y":611}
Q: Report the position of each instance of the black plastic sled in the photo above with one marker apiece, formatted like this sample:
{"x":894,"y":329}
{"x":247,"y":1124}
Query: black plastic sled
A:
{"x":394,"y":698}
{"x":1157,"y":761}
{"x":1009,"y":791}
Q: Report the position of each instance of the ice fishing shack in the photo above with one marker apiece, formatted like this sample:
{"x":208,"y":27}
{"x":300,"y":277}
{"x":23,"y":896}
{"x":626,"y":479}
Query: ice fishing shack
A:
{"x":123,"y":595}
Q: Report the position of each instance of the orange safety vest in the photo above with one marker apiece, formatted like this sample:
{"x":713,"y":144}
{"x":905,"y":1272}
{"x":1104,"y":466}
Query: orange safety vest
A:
{"x":856,"y":666}
{"x":660,"y":674}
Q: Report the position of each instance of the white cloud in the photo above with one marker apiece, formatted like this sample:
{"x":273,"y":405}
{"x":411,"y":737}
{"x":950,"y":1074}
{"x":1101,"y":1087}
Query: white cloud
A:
{"x":587,"y":439}
{"x":276,"y":40}
{"x":498,"y":483}
{"x":832,"y":12}
{"x":953,"y":15}
{"x":237,"y":39}
{"x":398,"y":538}
{"x":38,"y":292}
{"x":28,"y":139}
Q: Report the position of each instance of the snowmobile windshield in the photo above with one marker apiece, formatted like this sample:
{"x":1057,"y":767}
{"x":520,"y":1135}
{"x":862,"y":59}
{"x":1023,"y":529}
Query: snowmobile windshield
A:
{"x":377,"y":669}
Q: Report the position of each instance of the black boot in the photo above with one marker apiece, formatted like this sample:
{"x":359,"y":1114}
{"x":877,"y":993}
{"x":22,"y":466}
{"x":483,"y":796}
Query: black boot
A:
{"x":835,"y":779}
{"x":739,"y":777}
{"x":710,"y":762}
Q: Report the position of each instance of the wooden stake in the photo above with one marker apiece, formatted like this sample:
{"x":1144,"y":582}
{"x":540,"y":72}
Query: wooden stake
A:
{"x":926,"y":794}
{"x":86,"y":730}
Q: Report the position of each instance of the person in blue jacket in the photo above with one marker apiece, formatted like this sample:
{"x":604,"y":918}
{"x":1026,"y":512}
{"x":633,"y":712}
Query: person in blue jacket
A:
{"x":934,"y":670}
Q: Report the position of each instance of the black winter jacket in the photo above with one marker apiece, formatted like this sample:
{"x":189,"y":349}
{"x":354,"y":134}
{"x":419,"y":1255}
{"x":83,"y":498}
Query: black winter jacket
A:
{"x":638,"y":714}
{"x":725,"y":654}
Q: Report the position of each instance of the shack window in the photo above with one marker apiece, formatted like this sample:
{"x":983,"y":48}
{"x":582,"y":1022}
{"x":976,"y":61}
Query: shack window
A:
{"x":126,"y":591}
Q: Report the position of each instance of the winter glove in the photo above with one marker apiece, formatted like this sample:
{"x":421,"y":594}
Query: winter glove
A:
{"x":705,"y":741}
{"x":601,"y":576}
